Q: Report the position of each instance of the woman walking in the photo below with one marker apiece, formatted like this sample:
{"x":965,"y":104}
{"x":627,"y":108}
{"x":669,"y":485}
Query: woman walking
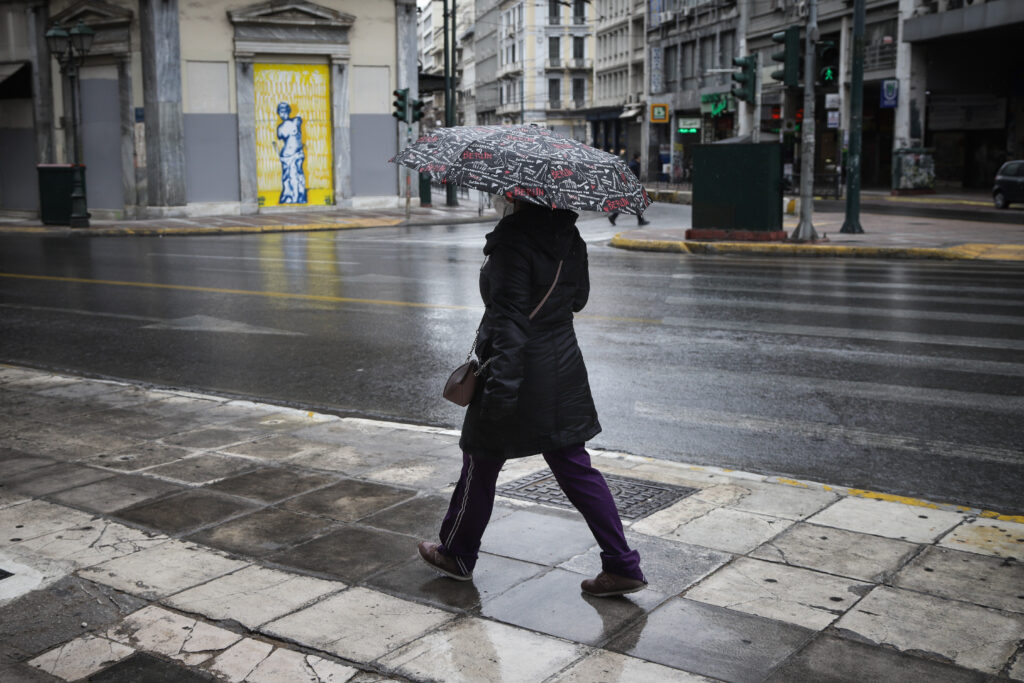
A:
{"x":533,"y":395}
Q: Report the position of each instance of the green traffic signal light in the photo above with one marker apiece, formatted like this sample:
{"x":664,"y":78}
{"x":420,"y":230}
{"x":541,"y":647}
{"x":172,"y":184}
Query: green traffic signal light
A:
{"x":745,"y":79}
{"x":401,"y":104}
{"x":788,"y":57}
{"x":827,"y":61}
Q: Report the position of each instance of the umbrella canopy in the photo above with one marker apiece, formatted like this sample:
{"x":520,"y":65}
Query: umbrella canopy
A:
{"x":527,"y":163}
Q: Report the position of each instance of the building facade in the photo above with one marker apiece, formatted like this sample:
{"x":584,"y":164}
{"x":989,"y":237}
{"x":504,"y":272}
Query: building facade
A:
{"x":203,"y":108}
{"x":618,"y":117}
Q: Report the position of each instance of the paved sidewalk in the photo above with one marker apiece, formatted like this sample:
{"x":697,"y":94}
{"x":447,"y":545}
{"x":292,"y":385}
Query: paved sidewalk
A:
{"x":165,"y":535}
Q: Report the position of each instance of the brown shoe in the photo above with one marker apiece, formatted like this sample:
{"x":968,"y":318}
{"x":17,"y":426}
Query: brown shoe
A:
{"x":446,"y":564}
{"x":605,"y":585}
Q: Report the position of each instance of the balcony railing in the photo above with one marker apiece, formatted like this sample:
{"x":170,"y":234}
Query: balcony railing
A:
{"x":553,"y":105}
{"x":580,"y":63}
{"x":555,"y":63}
{"x":507,"y":69}
{"x":879,"y":56}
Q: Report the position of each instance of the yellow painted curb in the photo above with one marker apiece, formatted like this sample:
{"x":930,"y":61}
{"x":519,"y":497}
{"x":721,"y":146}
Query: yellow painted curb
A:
{"x":649,"y":245}
{"x":979,"y":252}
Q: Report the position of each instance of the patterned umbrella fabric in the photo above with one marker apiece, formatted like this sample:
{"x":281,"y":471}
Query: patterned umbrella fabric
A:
{"x":528,"y":163}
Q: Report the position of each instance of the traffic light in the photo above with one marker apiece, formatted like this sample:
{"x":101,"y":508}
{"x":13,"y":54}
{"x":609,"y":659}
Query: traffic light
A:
{"x":401,"y":111}
{"x":827,"y":62}
{"x":745,"y":87}
{"x":417,"y":111}
{"x":789,"y":57}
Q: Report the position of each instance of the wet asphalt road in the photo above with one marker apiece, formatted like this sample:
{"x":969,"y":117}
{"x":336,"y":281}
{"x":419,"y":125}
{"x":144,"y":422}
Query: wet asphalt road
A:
{"x":899,"y":376}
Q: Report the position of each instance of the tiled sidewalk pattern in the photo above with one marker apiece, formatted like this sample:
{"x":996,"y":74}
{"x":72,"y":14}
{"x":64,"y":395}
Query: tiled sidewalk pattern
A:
{"x":161,"y":531}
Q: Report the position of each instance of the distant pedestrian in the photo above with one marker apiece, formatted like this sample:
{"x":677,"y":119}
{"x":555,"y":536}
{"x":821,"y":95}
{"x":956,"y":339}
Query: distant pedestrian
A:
{"x":533,"y":395}
{"x":634,"y":166}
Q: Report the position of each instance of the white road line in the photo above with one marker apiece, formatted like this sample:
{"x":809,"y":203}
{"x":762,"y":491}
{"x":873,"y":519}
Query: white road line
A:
{"x":825,"y":285}
{"x":872,"y":391}
{"x":821,"y":431}
{"x":848,"y":333}
{"x":808,"y":307}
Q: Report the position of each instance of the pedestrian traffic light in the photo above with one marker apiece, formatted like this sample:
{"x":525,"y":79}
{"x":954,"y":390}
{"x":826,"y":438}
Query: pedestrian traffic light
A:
{"x":828,"y":62}
{"x":417,"y":111}
{"x":789,"y":57}
{"x":401,"y":111}
{"x":745,"y":87}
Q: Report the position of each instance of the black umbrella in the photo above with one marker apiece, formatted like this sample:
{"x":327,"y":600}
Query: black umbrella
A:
{"x":529,"y":163}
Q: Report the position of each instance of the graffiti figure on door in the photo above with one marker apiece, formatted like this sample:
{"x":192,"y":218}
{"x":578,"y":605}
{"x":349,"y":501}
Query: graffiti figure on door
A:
{"x":293,"y":178}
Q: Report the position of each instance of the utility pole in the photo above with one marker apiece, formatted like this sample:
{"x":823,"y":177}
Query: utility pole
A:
{"x":805,"y":231}
{"x":851,"y":224}
{"x":451,"y":199}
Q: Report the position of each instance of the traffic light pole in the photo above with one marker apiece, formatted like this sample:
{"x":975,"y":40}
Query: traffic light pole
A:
{"x":805,"y":231}
{"x":449,"y":90}
{"x":851,"y":224}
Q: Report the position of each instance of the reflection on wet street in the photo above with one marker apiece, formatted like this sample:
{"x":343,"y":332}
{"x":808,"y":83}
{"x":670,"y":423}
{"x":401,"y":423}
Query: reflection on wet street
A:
{"x":903,"y":376}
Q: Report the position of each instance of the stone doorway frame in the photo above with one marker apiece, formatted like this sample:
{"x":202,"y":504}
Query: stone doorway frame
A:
{"x":112,"y":25}
{"x":291,"y":28}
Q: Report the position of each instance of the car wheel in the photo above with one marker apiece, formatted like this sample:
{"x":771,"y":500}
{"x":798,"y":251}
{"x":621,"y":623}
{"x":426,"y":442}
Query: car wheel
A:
{"x":999,"y":199}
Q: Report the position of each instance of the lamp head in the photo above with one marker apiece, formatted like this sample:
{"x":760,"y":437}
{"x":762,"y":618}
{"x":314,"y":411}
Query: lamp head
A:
{"x":81,"y":38}
{"x":57,"y":39}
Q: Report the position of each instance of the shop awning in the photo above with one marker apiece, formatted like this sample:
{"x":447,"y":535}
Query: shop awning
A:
{"x":630,"y":112}
{"x":15,"y":80}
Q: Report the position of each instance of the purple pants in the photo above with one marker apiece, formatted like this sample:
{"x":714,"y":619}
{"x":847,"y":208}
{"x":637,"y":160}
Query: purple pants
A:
{"x":473,"y":499}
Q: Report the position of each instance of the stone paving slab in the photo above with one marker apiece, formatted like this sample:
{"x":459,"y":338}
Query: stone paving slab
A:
{"x":358,"y":624}
{"x":967,"y":635}
{"x":752,"y":577}
{"x":837,"y":551}
{"x":988,"y":537}
{"x":797,"y":596}
{"x":471,"y":650}
{"x":162,"y":570}
{"x":979,"y":579}
{"x":253,"y":596}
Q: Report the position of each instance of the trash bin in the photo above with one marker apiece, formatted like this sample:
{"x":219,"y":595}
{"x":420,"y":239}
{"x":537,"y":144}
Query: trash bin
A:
{"x":56,"y":182}
{"x":425,"y":189}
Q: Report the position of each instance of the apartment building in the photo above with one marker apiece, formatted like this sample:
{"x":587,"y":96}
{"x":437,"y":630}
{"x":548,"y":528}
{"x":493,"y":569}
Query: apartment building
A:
{"x":618,"y":116}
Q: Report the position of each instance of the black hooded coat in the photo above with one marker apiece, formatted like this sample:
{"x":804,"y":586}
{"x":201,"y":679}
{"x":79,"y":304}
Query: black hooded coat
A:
{"x":534,"y":395}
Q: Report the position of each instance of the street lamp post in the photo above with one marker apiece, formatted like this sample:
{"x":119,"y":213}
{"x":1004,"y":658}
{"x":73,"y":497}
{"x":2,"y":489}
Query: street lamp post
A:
{"x":70,"y":48}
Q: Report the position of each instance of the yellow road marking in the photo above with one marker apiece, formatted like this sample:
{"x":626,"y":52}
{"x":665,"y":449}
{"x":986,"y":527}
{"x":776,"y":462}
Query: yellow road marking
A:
{"x":243,"y":292}
{"x":291,"y":295}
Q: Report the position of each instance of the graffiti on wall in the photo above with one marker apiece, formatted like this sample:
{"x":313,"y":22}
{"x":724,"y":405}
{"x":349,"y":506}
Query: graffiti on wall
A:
{"x":293,"y":134}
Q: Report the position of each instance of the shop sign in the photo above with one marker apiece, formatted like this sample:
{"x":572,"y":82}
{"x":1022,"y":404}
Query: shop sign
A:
{"x":832,"y":100}
{"x":659,"y":113}
{"x":657,"y":70}
{"x":833,"y":119}
{"x":716,"y":104}
{"x":688,"y":125}
{"x":890,"y":93}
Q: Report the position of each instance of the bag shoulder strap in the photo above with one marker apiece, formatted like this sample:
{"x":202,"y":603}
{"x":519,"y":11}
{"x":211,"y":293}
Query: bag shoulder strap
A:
{"x":550,"y":289}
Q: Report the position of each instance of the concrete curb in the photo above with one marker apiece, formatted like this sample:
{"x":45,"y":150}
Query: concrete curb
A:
{"x":132,"y":231}
{"x":995,"y":252}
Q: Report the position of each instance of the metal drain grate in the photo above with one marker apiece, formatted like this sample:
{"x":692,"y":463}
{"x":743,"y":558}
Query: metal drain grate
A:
{"x":635,"y":498}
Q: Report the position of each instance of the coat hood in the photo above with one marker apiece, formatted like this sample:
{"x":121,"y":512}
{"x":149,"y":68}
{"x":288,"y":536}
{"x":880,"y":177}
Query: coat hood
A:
{"x":552,"y":231}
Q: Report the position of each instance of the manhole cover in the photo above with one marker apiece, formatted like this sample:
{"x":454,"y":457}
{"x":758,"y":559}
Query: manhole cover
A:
{"x":4,"y":574}
{"x":635,"y":498}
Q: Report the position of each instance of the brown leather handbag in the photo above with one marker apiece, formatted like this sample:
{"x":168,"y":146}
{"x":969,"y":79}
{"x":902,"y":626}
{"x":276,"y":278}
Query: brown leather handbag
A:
{"x":461,"y":384}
